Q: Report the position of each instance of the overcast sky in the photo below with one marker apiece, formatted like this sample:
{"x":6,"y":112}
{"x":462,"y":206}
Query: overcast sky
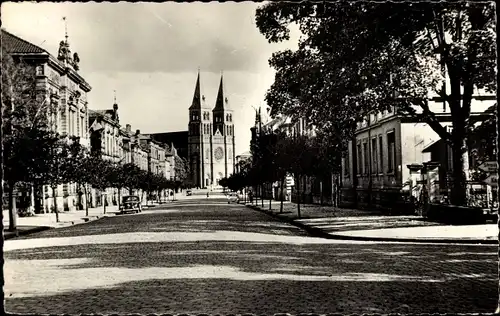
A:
{"x":150,"y":53}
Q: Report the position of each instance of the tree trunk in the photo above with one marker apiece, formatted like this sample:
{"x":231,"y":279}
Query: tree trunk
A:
{"x":460,"y":160}
{"x":321,"y":193}
{"x":281,"y":197}
{"x":298,"y":196}
{"x":119,"y":195}
{"x":54,"y":196}
{"x":332,"y":197}
{"x":12,"y":209}
{"x":304,"y":189}
{"x":262,"y":195}
{"x":270,"y":197}
{"x":105,"y":200}
{"x":86,"y":199}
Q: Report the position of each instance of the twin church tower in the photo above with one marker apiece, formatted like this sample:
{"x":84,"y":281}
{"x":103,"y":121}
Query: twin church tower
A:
{"x":211,"y":143}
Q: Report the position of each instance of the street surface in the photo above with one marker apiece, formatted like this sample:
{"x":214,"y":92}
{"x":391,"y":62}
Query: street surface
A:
{"x":205,"y":256}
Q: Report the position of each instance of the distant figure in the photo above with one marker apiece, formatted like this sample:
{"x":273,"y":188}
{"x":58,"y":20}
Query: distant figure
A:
{"x":208,"y":194}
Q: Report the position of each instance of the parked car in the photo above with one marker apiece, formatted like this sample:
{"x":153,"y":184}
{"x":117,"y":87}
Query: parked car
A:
{"x":189,"y":193}
{"x":232,"y":197}
{"x":131,"y":203}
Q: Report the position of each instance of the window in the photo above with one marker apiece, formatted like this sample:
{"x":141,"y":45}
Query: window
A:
{"x":346,"y":165}
{"x":380,"y":155}
{"x":39,"y":70}
{"x":366,"y":157}
{"x":391,"y":152}
{"x":82,"y":127}
{"x":359,"y":157}
{"x":374,"y":155}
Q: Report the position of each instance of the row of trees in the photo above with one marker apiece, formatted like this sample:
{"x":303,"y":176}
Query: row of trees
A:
{"x":358,"y":58}
{"x":34,"y":154}
{"x":276,"y":154}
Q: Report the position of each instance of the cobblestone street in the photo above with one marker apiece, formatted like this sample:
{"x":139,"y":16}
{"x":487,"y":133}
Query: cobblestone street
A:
{"x":205,"y":256}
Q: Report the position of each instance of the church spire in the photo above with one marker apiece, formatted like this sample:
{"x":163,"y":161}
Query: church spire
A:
{"x":221,"y":103}
{"x":197,"y":94}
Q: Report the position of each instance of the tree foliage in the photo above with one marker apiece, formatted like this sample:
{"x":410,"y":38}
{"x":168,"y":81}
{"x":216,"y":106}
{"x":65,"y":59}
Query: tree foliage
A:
{"x":353,"y":57}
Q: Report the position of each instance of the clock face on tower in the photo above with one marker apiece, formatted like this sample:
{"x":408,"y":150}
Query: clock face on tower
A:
{"x":218,"y":153}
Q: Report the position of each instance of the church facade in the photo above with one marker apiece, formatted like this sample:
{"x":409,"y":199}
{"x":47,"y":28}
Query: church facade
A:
{"x":211,"y":141}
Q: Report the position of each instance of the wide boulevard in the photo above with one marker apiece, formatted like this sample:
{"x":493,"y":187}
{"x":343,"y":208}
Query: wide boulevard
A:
{"x":203,"y":255}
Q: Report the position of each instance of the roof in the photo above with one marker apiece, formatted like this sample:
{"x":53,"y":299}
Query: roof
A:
{"x":179,"y":139}
{"x":429,"y":148}
{"x":14,"y":44}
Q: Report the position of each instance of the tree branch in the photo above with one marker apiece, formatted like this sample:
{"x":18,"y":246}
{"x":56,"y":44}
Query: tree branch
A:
{"x":430,"y":118}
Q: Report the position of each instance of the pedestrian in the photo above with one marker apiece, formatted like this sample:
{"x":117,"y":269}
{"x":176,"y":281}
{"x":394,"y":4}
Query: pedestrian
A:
{"x":208,"y":194}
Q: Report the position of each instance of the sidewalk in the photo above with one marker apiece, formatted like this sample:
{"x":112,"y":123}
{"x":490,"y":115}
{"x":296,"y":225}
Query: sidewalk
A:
{"x":40,"y":222}
{"x":339,"y":223}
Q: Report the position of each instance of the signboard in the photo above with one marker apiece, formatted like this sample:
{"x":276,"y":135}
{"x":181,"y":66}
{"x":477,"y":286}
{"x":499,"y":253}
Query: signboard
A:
{"x":492,"y":180}
{"x":489,"y":166}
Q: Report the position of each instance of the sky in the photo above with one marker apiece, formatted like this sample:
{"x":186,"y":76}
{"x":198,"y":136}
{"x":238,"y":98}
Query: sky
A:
{"x":150,"y":54}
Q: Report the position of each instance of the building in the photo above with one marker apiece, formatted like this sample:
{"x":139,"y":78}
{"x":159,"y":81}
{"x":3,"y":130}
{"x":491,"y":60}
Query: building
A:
{"x":66,"y":90}
{"x":155,"y":153}
{"x":375,"y":172}
{"x":106,"y":141}
{"x":246,"y":156}
{"x":126,"y":144}
{"x":170,"y":154}
{"x":209,"y":144}
{"x":105,"y":134}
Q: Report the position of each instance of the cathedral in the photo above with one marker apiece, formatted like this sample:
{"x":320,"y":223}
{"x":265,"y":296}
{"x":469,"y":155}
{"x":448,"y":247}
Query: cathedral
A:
{"x":211,"y":143}
{"x":208,"y":146}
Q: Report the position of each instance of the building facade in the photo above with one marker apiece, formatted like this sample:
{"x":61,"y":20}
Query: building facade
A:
{"x":107,"y":142}
{"x":375,"y":172}
{"x":211,"y":141}
{"x":60,"y":84}
{"x":170,"y":154}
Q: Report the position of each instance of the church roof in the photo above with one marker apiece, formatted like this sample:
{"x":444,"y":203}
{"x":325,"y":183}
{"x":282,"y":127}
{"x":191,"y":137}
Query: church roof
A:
{"x":179,"y":139}
{"x":221,"y":102}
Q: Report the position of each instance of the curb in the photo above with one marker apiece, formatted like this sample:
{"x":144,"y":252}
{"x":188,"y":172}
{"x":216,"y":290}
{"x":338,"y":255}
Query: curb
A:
{"x":35,"y":229}
{"x":317,"y":232}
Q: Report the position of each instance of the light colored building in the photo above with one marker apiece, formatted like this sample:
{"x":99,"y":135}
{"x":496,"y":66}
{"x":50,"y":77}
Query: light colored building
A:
{"x":106,"y":141}
{"x":375,"y":172}
{"x":211,"y":141}
{"x":59,"y":80}
{"x":170,"y":154}
{"x":139,"y":152}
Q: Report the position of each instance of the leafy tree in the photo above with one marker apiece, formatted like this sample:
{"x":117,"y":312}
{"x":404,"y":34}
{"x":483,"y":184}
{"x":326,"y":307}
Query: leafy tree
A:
{"x":58,"y":169}
{"x":27,"y":139}
{"x":181,"y":170}
{"x":102,"y":176}
{"x":353,"y":57}
{"x":78,"y":168}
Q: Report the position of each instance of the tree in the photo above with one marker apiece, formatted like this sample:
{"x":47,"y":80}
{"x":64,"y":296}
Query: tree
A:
{"x":354,"y":56}
{"x":79,"y":168}
{"x":181,"y":170}
{"x":27,"y":138}
{"x":102,"y":176}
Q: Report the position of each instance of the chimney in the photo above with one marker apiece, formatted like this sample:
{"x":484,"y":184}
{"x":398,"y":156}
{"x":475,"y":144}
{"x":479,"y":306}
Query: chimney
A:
{"x":128,"y":128}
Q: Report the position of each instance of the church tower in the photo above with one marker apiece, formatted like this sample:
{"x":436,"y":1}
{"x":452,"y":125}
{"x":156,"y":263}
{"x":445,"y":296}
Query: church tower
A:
{"x":223,"y":137}
{"x":199,"y":138}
